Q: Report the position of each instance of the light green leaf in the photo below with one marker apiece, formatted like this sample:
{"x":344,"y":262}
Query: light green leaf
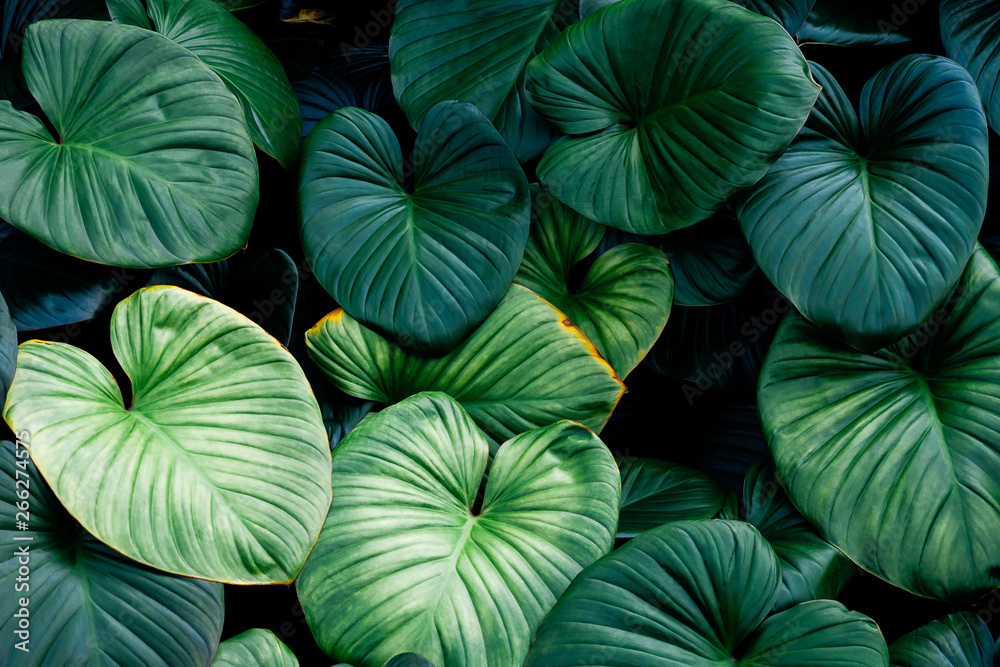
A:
{"x":895,"y":456}
{"x":867,"y":224}
{"x":957,"y":640}
{"x":622,"y":302}
{"x":218,"y":469}
{"x":237,"y":55}
{"x":811,"y":567}
{"x":86,"y":603}
{"x":152,"y":164}
{"x":254,"y":648}
{"x":694,"y":594}
{"x":406,"y":562}
{"x":527,"y":366}
{"x":475,"y":51}
{"x":425,"y":265}
{"x":656,"y":492}
{"x":671,"y":107}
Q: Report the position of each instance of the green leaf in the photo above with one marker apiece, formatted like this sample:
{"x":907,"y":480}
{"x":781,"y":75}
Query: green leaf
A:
{"x":621,"y":303}
{"x":409,"y":660}
{"x":969,"y":34}
{"x":655,"y":493}
{"x":427,"y":265}
{"x":525,"y":367}
{"x":222,"y":457}
{"x":341,"y":413}
{"x":475,"y":51}
{"x":152,"y":164}
{"x":895,"y":456}
{"x":956,"y":640}
{"x":791,"y":14}
{"x":869,"y":23}
{"x":320,"y":94}
{"x":866,"y":225}
{"x":261,"y":284}
{"x":88,"y":604}
{"x":254,"y":648}
{"x":695,"y":593}
{"x":671,"y":108}
{"x":811,"y":567}
{"x":238,"y":56}
{"x":406,"y":562}
{"x":45,"y":289}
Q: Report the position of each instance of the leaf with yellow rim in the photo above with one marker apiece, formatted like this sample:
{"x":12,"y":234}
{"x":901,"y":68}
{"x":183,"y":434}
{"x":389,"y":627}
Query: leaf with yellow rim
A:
{"x":220,"y":468}
{"x":526,"y":366}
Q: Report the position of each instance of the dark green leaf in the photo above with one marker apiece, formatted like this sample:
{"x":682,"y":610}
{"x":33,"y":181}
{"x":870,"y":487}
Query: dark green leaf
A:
{"x":957,"y":640}
{"x":655,"y":493}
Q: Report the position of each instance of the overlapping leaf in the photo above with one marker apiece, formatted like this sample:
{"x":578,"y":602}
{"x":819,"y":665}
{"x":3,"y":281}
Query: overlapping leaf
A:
{"x":151,"y":165}
{"x":426,"y":265}
{"x":254,"y":648}
{"x":219,"y":468}
{"x":895,"y":456}
{"x":88,"y":604}
{"x":865,"y":225}
{"x":476,"y":51}
{"x":656,"y":492}
{"x":621,"y":303}
{"x":697,"y":593}
{"x":527,"y":366}
{"x":671,"y":108}
{"x":237,"y":55}
{"x":969,"y":31}
{"x":957,"y":640}
{"x":407,"y":562}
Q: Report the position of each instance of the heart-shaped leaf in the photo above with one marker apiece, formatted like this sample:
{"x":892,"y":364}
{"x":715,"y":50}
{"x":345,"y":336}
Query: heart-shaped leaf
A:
{"x":957,"y":640}
{"x":811,"y":567}
{"x":261,"y":284}
{"x":865,"y":225}
{"x":656,"y":492}
{"x":254,"y":648}
{"x":527,"y":366}
{"x":475,"y":51}
{"x":152,"y":164}
{"x":237,"y":55}
{"x":697,"y":593}
{"x":621,"y":303}
{"x":427,"y":265}
{"x":86,"y":603}
{"x":895,"y":456}
{"x":671,"y":108}
{"x":221,"y":458}
{"x":406,"y":562}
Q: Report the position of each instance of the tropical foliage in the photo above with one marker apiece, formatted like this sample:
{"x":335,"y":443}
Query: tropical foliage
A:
{"x":499,"y":333}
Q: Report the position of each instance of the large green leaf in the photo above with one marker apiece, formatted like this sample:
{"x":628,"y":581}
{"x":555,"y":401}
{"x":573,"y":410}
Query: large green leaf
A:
{"x":475,"y":51}
{"x":152,"y":164}
{"x":261,"y":284}
{"x":895,"y":456}
{"x":525,"y":367}
{"x":811,"y":567}
{"x":426,"y":265}
{"x":656,"y":492}
{"x":237,"y":55}
{"x":957,"y":640}
{"x":671,"y":106}
{"x":407,"y":562}
{"x":697,"y":593}
{"x":86,"y":603}
{"x":218,"y":469}
{"x":969,"y":30}
{"x":254,"y":648}
{"x":621,"y":303}
{"x":865,"y":225}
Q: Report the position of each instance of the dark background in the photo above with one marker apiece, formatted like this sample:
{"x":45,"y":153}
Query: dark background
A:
{"x":715,"y":430}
